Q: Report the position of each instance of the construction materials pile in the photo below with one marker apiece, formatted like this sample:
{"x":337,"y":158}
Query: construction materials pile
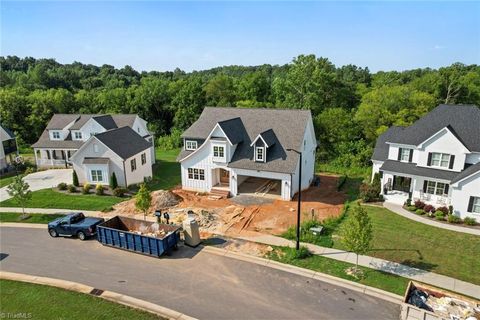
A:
{"x":266,"y":187}
{"x":165,"y":199}
{"x":161,"y":199}
{"x":151,"y":230}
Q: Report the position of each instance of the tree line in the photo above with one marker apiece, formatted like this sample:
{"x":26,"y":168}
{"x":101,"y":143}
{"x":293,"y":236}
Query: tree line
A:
{"x":351,"y":106}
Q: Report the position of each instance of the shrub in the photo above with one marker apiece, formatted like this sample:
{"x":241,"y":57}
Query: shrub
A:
{"x":469,"y":221}
{"x":28,"y":171}
{"x":439,"y":215}
{"x":443,"y":209}
{"x":408,"y":202}
{"x":75,"y":179}
{"x":113,"y":181}
{"x":301,"y":253}
{"x":412,"y":208}
{"x":119,"y":192}
{"x":450,"y":209}
{"x":453,"y":219}
{"x":428,"y":208}
{"x":171,"y":141}
{"x":370,"y":192}
{"x":62,"y":186}
{"x":99,"y":190}
{"x":419,"y":204}
{"x":420,"y":211}
{"x":86,"y":188}
{"x":71,"y":188}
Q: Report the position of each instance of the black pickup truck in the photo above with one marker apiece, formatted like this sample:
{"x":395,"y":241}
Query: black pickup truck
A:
{"x":74,"y":224}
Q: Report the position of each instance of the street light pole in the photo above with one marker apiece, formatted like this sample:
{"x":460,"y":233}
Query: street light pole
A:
{"x":297,"y":245}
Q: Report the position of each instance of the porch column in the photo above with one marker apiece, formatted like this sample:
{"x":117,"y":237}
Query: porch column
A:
{"x":35,"y":154}
{"x":413,"y":186}
{"x":51,"y":157}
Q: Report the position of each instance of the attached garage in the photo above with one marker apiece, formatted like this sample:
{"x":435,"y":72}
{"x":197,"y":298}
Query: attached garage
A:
{"x":269,"y":188}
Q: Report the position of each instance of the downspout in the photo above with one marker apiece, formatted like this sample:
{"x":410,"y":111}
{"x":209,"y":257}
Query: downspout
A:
{"x":125,"y":174}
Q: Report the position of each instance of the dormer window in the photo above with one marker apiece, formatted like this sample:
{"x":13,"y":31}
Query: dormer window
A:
{"x":404,"y":154}
{"x":260,"y":154}
{"x":191,"y":145}
{"x":56,"y":135}
{"x":218,"y":152}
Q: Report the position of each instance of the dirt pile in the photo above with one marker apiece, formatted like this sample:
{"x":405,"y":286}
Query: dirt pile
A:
{"x":161,"y":199}
{"x":165,"y":199}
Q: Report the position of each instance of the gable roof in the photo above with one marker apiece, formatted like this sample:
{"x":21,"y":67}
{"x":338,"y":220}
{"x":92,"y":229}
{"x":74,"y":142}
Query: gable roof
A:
{"x":9,"y":133}
{"x":462,"y":120}
{"x":233,"y":129}
{"x":124,"y":141}
{"x":268,"y":137}
{"x":288,"y":126}
{"x":106,"y":121}
{"x":467,"y":172}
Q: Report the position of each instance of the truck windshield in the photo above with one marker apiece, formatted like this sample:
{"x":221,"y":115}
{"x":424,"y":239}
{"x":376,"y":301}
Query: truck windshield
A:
{"x":76,"y":218}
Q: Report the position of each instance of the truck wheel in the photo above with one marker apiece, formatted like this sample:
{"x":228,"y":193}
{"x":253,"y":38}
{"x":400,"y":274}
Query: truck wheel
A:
{"x":81,"y":235}
{"x":53,"y":233}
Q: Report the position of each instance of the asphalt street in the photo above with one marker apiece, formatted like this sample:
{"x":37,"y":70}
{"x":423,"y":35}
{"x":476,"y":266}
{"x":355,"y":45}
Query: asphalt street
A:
{"x":199,"y":284}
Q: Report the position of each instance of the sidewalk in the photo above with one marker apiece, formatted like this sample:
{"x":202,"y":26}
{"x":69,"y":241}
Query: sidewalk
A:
{"x":378,"y":264}
{"x":50,"y":211}
{"x":409,"y":215}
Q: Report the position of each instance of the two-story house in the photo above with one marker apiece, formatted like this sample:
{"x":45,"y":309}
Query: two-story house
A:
{"x":8,"y":150}
{"x":435,"y":160}
{"x":235,"y":151}
{"x":97,"y":146}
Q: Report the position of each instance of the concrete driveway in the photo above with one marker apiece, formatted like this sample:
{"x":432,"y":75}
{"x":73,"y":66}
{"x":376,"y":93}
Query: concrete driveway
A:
{"x":199,"y":284}
{"x":43,"y":180}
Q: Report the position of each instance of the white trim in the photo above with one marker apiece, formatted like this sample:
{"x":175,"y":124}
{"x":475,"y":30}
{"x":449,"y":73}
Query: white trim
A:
{"x":455,"y":184}
{"x":421,"y":144}
{"x":259,"y":136}
{"x":205,"y":142}
{"x":402,"y":145}
{"x":263,"y":154}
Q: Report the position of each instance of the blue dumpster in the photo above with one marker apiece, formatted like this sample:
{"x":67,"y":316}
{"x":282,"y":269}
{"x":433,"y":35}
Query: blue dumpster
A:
{"x":138,"y":236}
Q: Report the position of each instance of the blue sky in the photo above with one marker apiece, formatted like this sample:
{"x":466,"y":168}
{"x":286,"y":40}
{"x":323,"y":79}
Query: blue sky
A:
{"x":199,"y":35}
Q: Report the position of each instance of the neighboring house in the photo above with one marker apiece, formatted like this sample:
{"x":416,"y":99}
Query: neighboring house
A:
{"x":435,"y":160}
{"x":8,"y":151}
{"x":121,"y":151}
{"x":66,"y":133}
{"x":245,"y":151}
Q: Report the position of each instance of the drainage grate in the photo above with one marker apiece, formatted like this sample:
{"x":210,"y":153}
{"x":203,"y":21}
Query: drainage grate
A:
{"x":96,"y":292}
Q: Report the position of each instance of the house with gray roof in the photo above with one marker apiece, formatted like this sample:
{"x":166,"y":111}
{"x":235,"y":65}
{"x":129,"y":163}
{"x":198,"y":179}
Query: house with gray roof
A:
{"x":96,"y":146}
{"x":8,"y":149}
{"x":232,"y":151}
{"x":435,"y":160}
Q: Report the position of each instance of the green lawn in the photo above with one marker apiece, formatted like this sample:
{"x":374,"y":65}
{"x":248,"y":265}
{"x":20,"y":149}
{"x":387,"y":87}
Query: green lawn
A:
{"x":402,"y":240}
{"x":31,"y":217}
{"x":44,"y":302}
{"x":166,"y":171}
{"x":5,"y":181}
{"x":48,"y":198}
{"x":373,"y":278}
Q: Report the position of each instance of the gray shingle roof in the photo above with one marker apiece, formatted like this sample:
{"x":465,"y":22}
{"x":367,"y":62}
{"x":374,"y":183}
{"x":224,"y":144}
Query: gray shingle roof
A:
{"x":106,"y":121}
{"x":98,"y":160}
{"x":45,"y":142}
{"x":60,"y":121}
{"x":381,"y":148}
{"x":463,"y":119}
{"x":288,"y":125}
{"x":269,"y":137}
{"x":123,"y":141}
{"x":413,"y":169}
{"x":467,"y":172}
{"x":234,"y":130}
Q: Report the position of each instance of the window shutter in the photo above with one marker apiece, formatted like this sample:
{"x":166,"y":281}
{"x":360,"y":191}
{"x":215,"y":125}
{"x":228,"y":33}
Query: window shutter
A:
{"x":399,"y":154}
{"x":429,"y":161}
{"x":452,"y":160}
{"x":470,"y":205}
{"x":411,"y":156}
{"x":425,"y":185}
{"x":446,"y":189}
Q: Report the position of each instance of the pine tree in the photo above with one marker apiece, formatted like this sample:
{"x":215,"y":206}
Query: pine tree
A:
{"x":75,"y":179}
{"x":113,"y":181}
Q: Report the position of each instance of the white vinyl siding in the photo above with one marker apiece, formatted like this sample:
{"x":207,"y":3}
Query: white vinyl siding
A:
{"x":440,"y":160}
{"x":191,"y":145}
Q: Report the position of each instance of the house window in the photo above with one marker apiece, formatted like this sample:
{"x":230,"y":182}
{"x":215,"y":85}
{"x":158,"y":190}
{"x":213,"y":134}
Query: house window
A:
{"x":190,"y":145}
{"x":56,"y":135}
{"x":97,"y":175}
{"x":78,"y":135}
{"x":476,"y":205}
{"x":218,"y":152}
{"x":436,"y":188}
{"x":404,"y":154}
{"x":440,"y":160}
{"x":133,"y":164}
{"x":95,"y":147}
{"x":196,"y":174}
{"x":259,"y":156}
{"x":144,"y":158}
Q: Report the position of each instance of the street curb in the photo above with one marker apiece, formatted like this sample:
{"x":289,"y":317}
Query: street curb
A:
{"x":107,"y":295}
{"x":371,"y":291}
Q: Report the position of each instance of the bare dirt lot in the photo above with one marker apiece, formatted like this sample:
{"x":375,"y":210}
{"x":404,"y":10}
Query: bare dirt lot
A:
{"x":226,"y":216}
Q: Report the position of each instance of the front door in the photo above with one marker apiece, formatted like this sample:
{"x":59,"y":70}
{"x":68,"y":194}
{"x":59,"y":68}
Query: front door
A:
{"x":224,"y":176}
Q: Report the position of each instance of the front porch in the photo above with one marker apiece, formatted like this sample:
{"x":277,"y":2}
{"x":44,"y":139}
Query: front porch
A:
{"x":397,"y":188}
{"x":53,"y":158}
